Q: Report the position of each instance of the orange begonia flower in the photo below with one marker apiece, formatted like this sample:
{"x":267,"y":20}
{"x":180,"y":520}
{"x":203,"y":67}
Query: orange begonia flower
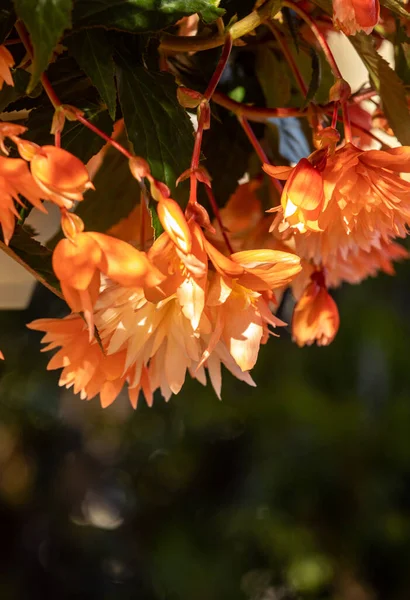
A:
{"x":302,"y":197}
{"x":86,"y":368}
{"x":6,"y":62}
{"x":61,"y":176}
{"x":366,"y":202}
{"x":360,"y":264}
{"x":316,"y":317}
{"x":78,"y":264}
{"x":15,"y":179}
{"x":352,"y":16}
{"x":173,"y":221}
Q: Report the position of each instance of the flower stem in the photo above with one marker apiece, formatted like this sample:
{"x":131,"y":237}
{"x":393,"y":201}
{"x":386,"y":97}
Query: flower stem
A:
{"x":215,"y":210}
{"x":220,"y":67}
{"x":257,"y":114}
{"x":103,"y":135}
{"x":173,"y":43}
{"x":258,"y":149}
{"x":329,"y":57}
{"x":204,"y":114}
{"x":318,"y":34}
{"x":288,"y":55}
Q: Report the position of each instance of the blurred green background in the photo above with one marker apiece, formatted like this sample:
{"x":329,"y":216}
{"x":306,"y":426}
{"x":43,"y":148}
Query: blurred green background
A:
{"x":297,"y":489}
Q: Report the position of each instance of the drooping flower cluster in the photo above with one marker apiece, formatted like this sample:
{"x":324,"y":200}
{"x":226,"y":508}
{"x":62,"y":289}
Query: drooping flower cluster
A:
{"x":182,"y":306}
{"x":150,"y":307}
{"x":341,"y":211}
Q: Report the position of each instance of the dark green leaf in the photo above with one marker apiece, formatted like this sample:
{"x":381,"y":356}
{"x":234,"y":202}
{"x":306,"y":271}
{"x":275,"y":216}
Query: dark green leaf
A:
{"x":394,"y":102}
{"x":388,"y":84}
{"x":155,"y":222}
{"x":35,"y":257}
{"x":364,"y":46}
{"x":9,"y":94}
{"x":273,"y":78}
{"x":46,"y":21}
{"x":396,"y":7}
{"x":93,"y":51}
{"x":315,"y":78}
{"x":320,"y":84}
{"x":7,"y":19}
{"x":157,"y":126}
{"x":116,"y":193}
{"x":227,"y":151}
{"x":139,"y":16}
{"x":75,"y":137}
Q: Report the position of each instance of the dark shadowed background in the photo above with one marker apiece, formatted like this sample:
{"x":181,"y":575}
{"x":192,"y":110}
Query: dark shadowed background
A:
{"x":299,"y":488}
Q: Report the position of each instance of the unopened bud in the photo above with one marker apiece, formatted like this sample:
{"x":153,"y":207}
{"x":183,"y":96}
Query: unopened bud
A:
{"x":326,"y":138}
{"x":204,"y":112}
{"x":159,"y":190}
{"x":71,"y":224}
{"x":71,"y":113}
{"x":57,"y":124}
{"x":139,"y":167}
{"x":27,"y":150}
{"x":196,"y":211}
{"x":340,"y":91}
{"x":189,"y":98}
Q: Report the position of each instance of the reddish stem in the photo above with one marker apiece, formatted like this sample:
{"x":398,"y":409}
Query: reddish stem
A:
{"x":334,"y":116}
{"x":258,"y":149}
{"x":103,"y":135}
{"x":57,"y":139}
{"x":203,"y":111}
{"x":254,"y":113}
{"x":328,"y":55}
{"x":318,"y":34}
{"x":289,"y":57}
{"x":215,"y":210}
{"x":346,"y":122}
{"x":220,"y":67}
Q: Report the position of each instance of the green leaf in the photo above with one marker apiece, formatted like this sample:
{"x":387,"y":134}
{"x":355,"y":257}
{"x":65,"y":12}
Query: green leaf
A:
{"x":7,"y":19}
{"x":273,"y":78}
{"x":157,"y":126}
{"x":396,"y":7}
{"x":388,"y":84}
{"x":75,"y":138}
{"x":116,"y":192}
{"x":394,"y":102}
{"x":138,"y":16}
{"x":9,"y":94}
{"x":33,"y":256}
{"x":93,"y":51}
{"x":315,"y":78}
{"x":227,"y":151}
{"x":155,"y":222}
{"x":46,"y":21}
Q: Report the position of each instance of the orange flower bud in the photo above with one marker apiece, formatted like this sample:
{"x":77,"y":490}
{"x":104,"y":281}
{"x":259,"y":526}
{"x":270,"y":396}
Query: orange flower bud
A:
{"x":352,"y":16}
{"x":188,"y":98}
{"x":173,"y":221}
{"x":71,"y":224}
{"x":6,"y":62}
{"x":60,"y":175}
{"x":139,"y":168}
{"x":10,"y":130}
{"x":316,"y":316}
{"x":340,"y":91}
{"x":302,"y":197}
{"x":27,"y":149}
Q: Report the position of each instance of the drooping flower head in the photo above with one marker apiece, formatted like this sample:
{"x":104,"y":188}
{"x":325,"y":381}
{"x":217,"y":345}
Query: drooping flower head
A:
{"x":366,"y":202}
{"x":6,"y":62}
{"x":302,"y":197}
{"x":352,"y":16}
{"x":316,"y":316}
